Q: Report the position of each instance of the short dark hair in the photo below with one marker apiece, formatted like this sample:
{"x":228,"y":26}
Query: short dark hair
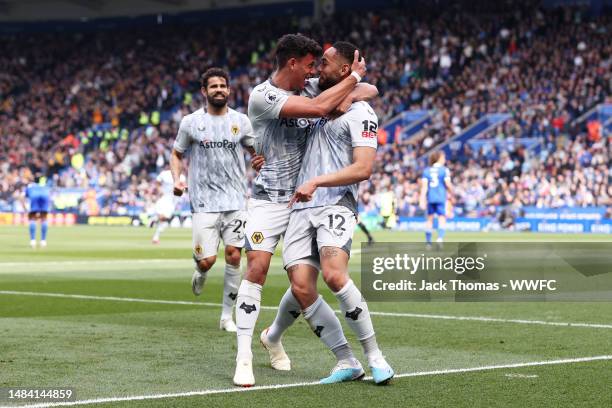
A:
{"x":347,"y":50}
{"x":214,"y":72}
{"x":434,"y":157}
{"x":295,"y":46}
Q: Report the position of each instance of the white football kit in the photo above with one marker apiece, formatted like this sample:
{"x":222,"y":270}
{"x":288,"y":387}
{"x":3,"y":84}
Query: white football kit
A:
{"x":282,"y":141}
{"x":217,"y":177}
{"x":166,"y":204}
{"x":329,"y":219}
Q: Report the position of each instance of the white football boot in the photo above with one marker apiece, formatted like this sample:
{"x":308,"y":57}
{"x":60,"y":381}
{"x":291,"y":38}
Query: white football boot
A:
{"x":243,"y":376}
{"x":278,"y":358}
{"x":228,"y":325}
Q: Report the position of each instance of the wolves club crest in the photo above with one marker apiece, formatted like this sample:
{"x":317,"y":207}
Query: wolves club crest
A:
{"x":257,"y":237}
{"x":354,"y":314}
{"x":248,"y":308}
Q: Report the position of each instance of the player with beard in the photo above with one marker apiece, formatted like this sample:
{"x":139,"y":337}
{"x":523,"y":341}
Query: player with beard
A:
{"x":340,"y":153}
{"x":215,"y":138}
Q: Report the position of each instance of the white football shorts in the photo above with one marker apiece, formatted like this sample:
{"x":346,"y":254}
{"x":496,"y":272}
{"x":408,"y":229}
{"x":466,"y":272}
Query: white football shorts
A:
{"x":266,"y":224}
{"x":311,"y":229}
{"x":210,"y":228}
{"x":165,"y":206}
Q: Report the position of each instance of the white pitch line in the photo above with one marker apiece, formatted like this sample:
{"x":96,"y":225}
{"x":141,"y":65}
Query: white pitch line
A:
{"x":311,"y":383}
{"x":373,"y":313}
{"x":94,"y":261}
{"x":115,"y":299}
{"x":493,"y":320}
{"x":514,"y":375}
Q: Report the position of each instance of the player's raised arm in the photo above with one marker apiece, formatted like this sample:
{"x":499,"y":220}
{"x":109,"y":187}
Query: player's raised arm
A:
{"x":362,"y":92}
{"x":328,"y":100}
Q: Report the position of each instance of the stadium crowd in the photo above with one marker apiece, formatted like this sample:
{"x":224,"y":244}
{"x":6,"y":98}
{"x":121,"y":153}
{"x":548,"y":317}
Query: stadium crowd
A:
{"x":100,"y":111}
{"x":566,"y":173}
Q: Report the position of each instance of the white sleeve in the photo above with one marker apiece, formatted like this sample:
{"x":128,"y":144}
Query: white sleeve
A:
{"x":266,"y":103}
{"x":248,"y":136}
{"x":362,"y":124}
{"x":311,"y":90}
{"x":183,"y":138}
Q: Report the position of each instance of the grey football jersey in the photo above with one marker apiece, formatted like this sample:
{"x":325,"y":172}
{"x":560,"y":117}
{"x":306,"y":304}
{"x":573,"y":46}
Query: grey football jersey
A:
{"x":282,"y":141}
{"x":330,"y":149}
{"x":217,"y":176}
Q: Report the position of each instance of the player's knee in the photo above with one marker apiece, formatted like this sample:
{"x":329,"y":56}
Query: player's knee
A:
{"x":304,"y":293}
{"x":232,"y":256}
{"x":206,"y":263}
{"x":256,"y":273}
{"x":233,"y":259}
{"x":335,"y":279}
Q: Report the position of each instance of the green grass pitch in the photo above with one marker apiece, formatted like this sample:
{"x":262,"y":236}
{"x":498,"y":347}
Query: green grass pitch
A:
{"x":108,"y":348}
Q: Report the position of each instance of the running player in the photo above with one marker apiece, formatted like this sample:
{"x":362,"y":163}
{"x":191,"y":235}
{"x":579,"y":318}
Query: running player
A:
{"x":340,"y":153}
{"x":39,"y":202}
{"x":166,"y":204}
{"x":274,"y":109}
{"x":215,"y":138}
{"x":435,"y":184}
